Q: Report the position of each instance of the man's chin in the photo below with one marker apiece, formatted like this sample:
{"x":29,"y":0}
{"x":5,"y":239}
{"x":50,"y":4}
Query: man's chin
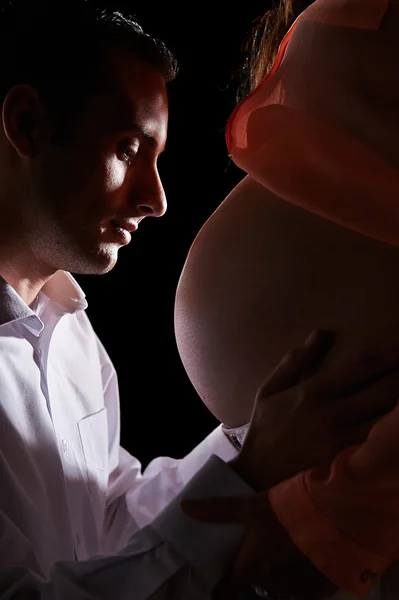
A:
{"x":105,"y":259}
{"x":99,"y":264}
{"x":104,"y":267}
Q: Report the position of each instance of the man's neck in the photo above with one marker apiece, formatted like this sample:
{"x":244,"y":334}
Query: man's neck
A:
{"x":27,"y":282}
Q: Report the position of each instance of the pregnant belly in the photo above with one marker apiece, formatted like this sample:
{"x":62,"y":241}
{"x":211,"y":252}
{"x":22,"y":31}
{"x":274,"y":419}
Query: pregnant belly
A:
{"x":260,"y":275}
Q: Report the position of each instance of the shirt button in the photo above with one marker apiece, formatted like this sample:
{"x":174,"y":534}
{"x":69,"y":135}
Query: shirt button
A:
{"x":368,"y":574}
{"x":64,"y":444}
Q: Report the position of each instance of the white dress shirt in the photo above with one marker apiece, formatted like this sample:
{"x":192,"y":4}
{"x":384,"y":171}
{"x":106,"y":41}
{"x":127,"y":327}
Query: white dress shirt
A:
{"x":75,"y":507}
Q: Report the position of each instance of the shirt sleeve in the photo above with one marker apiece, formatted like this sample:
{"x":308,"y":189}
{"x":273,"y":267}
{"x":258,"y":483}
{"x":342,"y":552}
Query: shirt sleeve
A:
{"x":346,"y":519}
{"x":174,"y":556}
{"x":136,"y":496}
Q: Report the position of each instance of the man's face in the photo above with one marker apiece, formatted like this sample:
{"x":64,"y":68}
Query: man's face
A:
{"x":89,"y":192}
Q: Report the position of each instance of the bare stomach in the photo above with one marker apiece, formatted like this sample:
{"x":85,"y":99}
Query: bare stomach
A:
{"x":259,"y":277}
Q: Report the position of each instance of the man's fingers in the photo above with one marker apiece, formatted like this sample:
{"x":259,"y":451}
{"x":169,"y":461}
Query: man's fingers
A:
{"x":303,"y":361}
{"x":364,"y":370}
{"x":352,"y":436}
{"x":219,"y":509}
{"x":371,"y":402}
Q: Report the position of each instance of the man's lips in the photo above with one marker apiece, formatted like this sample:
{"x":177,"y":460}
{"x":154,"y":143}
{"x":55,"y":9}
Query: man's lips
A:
{"x":126,"y":224}
{"x":121,"y":230}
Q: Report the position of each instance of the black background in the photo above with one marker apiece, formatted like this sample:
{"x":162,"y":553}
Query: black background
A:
{"x":131,"y":308}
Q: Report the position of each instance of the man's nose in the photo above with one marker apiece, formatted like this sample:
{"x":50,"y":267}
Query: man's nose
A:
{"x":153,"y":204}
{"x":151,"y":198}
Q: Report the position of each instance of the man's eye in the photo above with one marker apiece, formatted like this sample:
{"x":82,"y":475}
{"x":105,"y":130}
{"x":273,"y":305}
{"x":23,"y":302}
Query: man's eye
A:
{"x":129,"y":154}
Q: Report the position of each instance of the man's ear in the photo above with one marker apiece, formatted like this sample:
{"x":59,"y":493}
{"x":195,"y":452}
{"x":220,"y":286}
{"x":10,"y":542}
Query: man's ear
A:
{"x":22,"y":119}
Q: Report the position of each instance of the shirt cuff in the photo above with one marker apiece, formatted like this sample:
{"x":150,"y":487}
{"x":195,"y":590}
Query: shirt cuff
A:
{"x":344,"y":562}
{"x":215,"y":443}
{"x":209,"y":548}
{"x":236,"y":435}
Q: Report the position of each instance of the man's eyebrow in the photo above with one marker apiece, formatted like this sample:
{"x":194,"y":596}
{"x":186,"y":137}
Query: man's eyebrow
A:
{"x":142,"y":132}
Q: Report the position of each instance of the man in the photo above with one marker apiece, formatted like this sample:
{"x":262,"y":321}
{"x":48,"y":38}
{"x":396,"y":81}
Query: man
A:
{"x":84,"y":119}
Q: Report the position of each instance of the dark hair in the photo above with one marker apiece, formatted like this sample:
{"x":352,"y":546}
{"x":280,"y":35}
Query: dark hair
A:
{"x":262,"y":45}
{"x":61,"y":49}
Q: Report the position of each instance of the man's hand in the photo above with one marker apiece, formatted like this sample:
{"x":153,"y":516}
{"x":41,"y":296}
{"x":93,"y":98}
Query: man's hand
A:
{"x":303,"y":418}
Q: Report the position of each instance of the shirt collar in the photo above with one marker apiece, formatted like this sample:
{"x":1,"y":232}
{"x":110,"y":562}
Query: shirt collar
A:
{"x":62,"y":289}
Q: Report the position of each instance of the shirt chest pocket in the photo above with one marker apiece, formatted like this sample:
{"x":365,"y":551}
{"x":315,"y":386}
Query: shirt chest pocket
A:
{"x":93,"y":432}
